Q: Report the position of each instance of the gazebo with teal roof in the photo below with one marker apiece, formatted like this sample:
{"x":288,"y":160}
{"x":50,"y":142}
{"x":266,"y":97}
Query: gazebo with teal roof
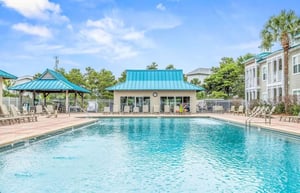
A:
{"x":154,"y":88}
{"x":4,"y":75}
{"x":50,"y":82}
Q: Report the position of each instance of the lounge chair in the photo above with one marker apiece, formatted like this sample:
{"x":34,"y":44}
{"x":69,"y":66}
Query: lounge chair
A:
{"x":145,"y":109}
{"x":166,"y":108}
{"x":6,"y":116}
{"x":126,"y":109}
{"x":260,"y":112}
{"x":39,"y":110}
{"x":106,"y":110}
{"x":4,"y":111}
{"x":20,"y":117}
{"x":295,"y":118}
{"x":268,"y":114}
{"x":240,"y":110}
{"x":232,"y":109}
{"x":250,"y":112}
{"x":50,"y":111}
{"x":136,"y":109}
{"x":176,"y":109}
{"x":218,"y":109}
{"x":25,"y":112}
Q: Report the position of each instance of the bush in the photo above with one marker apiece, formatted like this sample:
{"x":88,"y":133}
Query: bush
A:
{"x":218,"y":95}
{"x":294,"y":109}
{"x":279,"y":108}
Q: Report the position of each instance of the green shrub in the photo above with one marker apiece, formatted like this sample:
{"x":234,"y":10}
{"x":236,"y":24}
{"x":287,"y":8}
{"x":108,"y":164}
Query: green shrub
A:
{"x":218,"y":95}
{"x":279,"y":108}
{"x":294,"y":109}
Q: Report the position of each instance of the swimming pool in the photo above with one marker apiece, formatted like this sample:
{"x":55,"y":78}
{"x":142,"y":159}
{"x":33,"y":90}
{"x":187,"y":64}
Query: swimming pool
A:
{"x":155,"y":155}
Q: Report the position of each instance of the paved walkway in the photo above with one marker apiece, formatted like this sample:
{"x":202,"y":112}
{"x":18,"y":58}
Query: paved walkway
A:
{"x":13,"y":133}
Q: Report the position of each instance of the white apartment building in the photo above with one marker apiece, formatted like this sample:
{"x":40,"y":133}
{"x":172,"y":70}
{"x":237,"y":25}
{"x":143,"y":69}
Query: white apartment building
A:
{"x":264,"y":75}
{"x":199,"y":73}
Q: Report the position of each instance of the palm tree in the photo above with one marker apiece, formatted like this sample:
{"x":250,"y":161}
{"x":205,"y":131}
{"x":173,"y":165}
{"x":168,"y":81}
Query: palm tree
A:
{"x":196,"y":81}
{"x":170,"y":67}
{"x":281,"y":28}
{"x":152,"y":66}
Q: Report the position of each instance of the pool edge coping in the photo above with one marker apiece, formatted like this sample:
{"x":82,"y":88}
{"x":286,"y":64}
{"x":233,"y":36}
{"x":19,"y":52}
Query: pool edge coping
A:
{"x":37,"y":137}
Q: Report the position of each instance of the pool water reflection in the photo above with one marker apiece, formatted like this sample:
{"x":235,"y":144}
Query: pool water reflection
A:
{"x":156,"y":155}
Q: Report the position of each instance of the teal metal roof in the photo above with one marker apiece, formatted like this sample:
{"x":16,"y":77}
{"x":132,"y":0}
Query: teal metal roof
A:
{"x":6,"y":75}
{"x":154,"y":80}
{"x":262,"y":56}
{"x":51,"y":81}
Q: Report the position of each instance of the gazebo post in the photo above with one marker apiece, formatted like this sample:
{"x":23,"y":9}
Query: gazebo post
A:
{"x":76,"y":98}
{"x":21,"y":99}
{"x":33,"y":97}
{"x":82,"y":101}
{"x":45,"y":96}
{"x":67,"y":101}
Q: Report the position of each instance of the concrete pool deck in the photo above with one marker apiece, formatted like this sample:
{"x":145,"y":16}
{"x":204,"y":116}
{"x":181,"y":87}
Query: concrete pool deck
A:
{"x":10,"y":134}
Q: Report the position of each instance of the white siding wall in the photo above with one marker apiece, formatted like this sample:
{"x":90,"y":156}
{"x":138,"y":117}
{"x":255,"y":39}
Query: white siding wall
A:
{"x":272,"y":89}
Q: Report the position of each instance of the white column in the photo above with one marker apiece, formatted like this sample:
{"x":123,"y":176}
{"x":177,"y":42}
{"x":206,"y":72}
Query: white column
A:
{"x":1,"y":90}
{"x":271,"y":94}
{"x":250,"y":78}
{"x":277,"y":94}
{"x":255,"y":94}
{"x":271,"y":73}
{"x":277,"y":70}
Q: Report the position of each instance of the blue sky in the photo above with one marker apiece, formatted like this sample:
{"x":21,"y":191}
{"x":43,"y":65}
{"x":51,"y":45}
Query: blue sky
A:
{"x":130,"y":34}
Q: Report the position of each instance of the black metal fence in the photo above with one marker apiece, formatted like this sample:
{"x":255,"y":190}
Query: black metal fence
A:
{"x":97,"y":105}
{"x":91,"y":105}
{"x":217,"y":105}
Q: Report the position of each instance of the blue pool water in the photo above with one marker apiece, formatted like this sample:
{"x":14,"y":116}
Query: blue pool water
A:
{"x":155,"y":155}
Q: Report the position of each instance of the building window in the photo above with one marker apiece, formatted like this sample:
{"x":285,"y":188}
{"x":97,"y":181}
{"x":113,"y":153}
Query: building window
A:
{"x":132,"y":102}
{"x":175,"y":103}
{"x":296,"y":92}
{"x":296,"y":64}
{"x":280,"y":64}
{"x":264,"y":74}
{"x":264,"y":96}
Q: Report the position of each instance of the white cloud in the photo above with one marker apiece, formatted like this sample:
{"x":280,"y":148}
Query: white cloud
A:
{"x":98,"y":35}
{"x":44,"y":47}
{"x":106,"y":23}
{"x":160,"y":7}
{"x":41,"y":31}
{"x":36,"y":9}
{"x":70,"y":27}
{"x":134,"y":35}
{"x":113,"y":39}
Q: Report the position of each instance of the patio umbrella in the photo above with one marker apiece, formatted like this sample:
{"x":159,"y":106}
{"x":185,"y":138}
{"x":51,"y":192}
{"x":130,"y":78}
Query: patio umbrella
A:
{"x":4,"y":75}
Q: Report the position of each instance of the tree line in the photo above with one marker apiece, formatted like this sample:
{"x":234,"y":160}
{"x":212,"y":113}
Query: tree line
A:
{"x":226,"y":81}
